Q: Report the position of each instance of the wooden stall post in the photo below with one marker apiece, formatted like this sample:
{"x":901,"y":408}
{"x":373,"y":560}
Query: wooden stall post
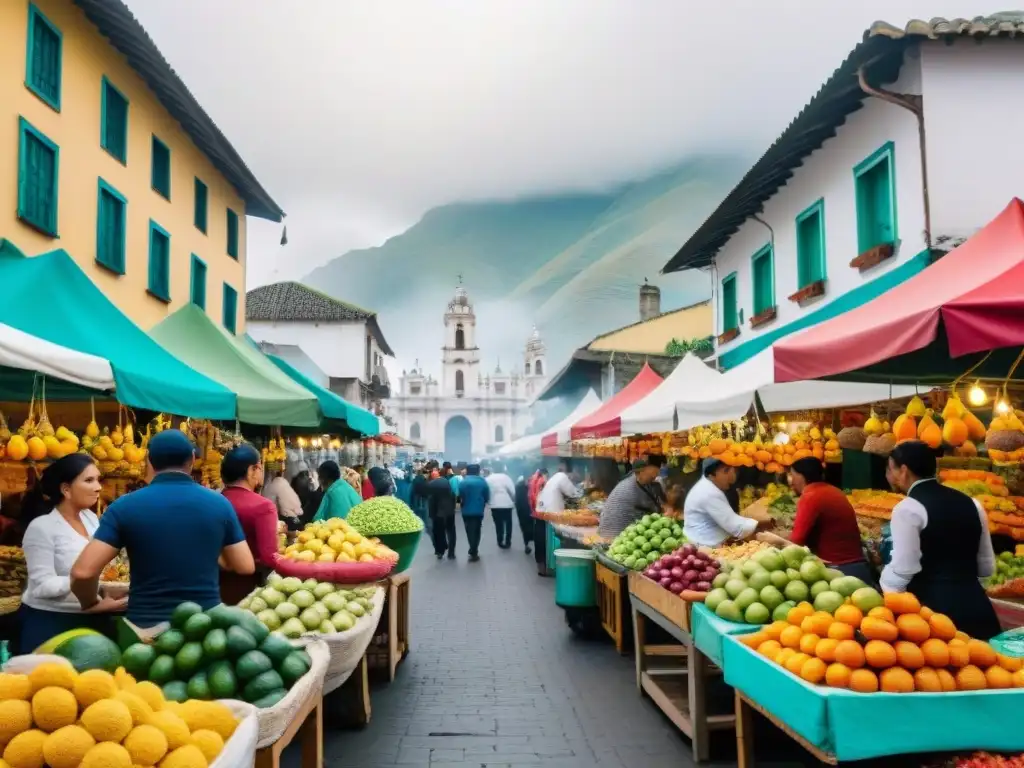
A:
{"x":613,"y":604}
{"x":391,"y":642}
{"x":349,"y":706}
{"x":308,"y":726}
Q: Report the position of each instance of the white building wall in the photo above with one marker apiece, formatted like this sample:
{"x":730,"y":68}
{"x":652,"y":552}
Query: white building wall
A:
{"x":973,"y":122}
{"x":828,"y":173}
{"x":338,"y":349}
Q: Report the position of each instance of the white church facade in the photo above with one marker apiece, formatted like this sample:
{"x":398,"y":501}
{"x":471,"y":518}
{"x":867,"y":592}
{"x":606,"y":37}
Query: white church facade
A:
{"x":467,"y":413}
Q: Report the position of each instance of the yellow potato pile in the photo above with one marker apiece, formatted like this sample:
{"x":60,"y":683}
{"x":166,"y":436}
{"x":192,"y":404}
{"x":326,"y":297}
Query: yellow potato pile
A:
{"x":335,"y":541}
{"x":57,"y":717}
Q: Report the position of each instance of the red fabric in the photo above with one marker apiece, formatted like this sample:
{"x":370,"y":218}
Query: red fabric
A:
{"x":535,"y":487}
{"x":367,"y":491}
{"x":258,"y":517}
{"x":975,"y":290}
{"x":605,"y":421}
{"x":336,"y":573}
{"x":826,"y":523}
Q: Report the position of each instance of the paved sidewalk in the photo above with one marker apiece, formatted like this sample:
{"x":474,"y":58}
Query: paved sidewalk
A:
{"x":495,"y":678}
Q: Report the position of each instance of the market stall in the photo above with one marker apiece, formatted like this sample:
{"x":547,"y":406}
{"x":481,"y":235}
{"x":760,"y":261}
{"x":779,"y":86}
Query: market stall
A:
{"x":558,"y":441}
{"x":605,"y":421}
{"x":332,"y":406}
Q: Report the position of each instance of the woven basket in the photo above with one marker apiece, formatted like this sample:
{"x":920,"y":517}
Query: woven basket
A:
{"x":275,"y":720}
{"x":9,"y":605}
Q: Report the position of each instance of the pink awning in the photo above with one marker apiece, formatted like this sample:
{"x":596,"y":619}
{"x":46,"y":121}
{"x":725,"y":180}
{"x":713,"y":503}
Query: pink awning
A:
{"x":605,"y":421}
{"x":976,"y":290}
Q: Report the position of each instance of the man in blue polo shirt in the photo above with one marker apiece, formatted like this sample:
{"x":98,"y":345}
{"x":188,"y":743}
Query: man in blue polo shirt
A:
{"x":177,"y":534}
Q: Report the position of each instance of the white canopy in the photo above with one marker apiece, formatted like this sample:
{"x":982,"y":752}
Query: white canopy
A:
{"x":733,"y":393}
{"x":691,"y":379}
{"x":21,"y":350}
{"x":528,"y":444}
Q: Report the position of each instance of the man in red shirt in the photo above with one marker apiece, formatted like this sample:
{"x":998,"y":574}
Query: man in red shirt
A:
{"x":242,"y":473}
{"x":535,"y":486}
{"x":825,"y":520}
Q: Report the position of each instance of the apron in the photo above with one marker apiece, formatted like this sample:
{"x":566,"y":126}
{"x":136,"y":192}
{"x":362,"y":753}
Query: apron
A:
{"x":948,"y":581}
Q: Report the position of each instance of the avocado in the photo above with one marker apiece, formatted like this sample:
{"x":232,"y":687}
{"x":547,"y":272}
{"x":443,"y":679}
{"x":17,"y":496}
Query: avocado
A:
{"x":270,"y":700}
{"x":262,"y":685}
{"x":254,"y":627}
{"x":222,"y":680}
{"x":137,"y":659}
{"x":176,"y":691}
{"x":197,"y":626}
{"x":224,"y":616}
{"x":162,"y":669}
{"x":252,"y":664}
{"x":183,"y":612}
{"x":169,"y":642}
{"x":199,"y":687}
{"x":239,"y":642}
{"x":276,"y":648}
{"x":292,"y":668}
{"x":188,"y":660}
{"x":215,"y":644}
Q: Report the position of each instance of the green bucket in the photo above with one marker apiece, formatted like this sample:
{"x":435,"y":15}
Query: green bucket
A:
{"x":575,"y":581}
{"x":405,"y":544}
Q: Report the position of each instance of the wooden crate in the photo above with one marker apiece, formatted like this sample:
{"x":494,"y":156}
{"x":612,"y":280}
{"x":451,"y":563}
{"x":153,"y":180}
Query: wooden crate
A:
{"x":668,"y":605}
{"x":390,"y":644}
{"x":308,"y":728}
{"x":745,"y":709}
{"x":613,"y":604}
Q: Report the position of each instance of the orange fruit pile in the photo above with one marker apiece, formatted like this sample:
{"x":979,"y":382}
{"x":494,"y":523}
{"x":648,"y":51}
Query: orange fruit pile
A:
{"x":899,"y":648}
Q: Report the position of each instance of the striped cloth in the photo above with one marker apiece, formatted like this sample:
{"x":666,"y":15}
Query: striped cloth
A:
{"x":628,"y":502}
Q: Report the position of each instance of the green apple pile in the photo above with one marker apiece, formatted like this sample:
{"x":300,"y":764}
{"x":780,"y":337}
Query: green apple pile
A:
{"x":1008,"y":568}
{"x":646,"y":540}
{"x":294,"y":607}
{"x":765,"y":586}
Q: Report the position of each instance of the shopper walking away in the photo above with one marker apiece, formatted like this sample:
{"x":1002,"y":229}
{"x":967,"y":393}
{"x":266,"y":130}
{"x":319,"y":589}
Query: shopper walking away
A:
{"x":473,"y":497}
{"x":177,"y":535}
{"x":941,"y":546}
{"x":242,"y":473}
{"x":339,"y":496}
{"x":524,"y":512}
{"x":503,"y":501}
{"x":418,"y":497}
{"x":381,"y":480}
{"x":441,"y":508}
{"x":636,"y":495}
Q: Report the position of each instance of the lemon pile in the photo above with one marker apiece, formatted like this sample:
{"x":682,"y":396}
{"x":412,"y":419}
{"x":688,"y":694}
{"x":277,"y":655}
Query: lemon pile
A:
{"x":56,"y":717}
{"x":335,"y":541}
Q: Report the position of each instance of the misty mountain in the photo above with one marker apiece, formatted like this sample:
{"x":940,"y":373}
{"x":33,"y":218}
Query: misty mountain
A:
{"x":571,"y":264}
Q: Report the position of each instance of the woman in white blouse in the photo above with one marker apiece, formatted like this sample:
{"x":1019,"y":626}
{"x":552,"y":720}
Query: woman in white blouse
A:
{"x":63,"y":523}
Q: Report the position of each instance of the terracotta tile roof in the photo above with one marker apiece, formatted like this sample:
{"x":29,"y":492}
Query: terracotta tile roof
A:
{"x":881,"y":54}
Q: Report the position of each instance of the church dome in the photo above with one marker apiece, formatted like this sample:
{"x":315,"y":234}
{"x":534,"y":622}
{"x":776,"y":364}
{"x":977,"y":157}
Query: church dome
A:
{"x":535,"y":344}
{"x":460,"y":302}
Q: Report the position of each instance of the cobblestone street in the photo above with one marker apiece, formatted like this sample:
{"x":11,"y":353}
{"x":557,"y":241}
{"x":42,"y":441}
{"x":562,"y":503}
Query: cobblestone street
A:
{"x":495,"y":678}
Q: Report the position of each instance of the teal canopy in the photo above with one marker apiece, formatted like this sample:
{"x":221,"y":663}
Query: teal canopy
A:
{"x":333,"y":407}
{"x":49,"y":296}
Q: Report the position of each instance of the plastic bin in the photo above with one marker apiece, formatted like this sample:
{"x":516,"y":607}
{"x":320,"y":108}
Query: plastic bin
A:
{"x":553,"y":543}
{"x":575,"y":581}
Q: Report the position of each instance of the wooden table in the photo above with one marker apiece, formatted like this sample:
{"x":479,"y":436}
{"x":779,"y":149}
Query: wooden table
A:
{"x":677,"y":683}
{"x":349,"y":706}
{"x":745,"y":709}
{"x":390,"y":644}
{"x":308,"y":727}
{"x":613,"y":603}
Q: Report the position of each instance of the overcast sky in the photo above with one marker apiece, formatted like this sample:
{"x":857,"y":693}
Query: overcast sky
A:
{"x":359,"y":115}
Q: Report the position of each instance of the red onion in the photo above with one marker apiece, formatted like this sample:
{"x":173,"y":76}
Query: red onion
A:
{"x":677,"y":573}
{"x":703,"y":586}
{"x":666,"y":582}
{"x":688,"y":549}
{"x":691,"y":575}
{"x":675,"y":587}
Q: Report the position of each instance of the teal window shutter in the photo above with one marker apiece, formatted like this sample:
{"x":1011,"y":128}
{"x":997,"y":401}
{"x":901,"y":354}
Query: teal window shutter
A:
{"x":730,"y":313}
{"x":230,"y":308}
{"x":38,"y":163}
{"x":763,"y":271}
{"x":875,"y":181}
{"x":111,"y":228}
{"x":161,"y":170}
{"x":198,"y":282}
{"x":810,"y":245}
{"x":201,"y":208}
{"x":232,"y":234}
{"x":159,"y":262}
{"x":114,"y":122}
{"x":45,"y":55}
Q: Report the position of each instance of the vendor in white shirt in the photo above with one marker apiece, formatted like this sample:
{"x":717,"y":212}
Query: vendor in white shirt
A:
{"x":941,"y":546}
{"x":62,"y":523}
{"x":708,"y":517}
{"x":556,"y":490}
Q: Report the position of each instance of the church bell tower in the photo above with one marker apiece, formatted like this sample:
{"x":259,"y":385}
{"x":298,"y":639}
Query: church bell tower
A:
{"x":460,"y":356}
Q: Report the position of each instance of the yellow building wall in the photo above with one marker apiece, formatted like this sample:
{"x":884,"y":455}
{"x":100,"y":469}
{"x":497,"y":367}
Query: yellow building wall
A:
{"x":87,"y":57}
{"x":650,"y":338}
